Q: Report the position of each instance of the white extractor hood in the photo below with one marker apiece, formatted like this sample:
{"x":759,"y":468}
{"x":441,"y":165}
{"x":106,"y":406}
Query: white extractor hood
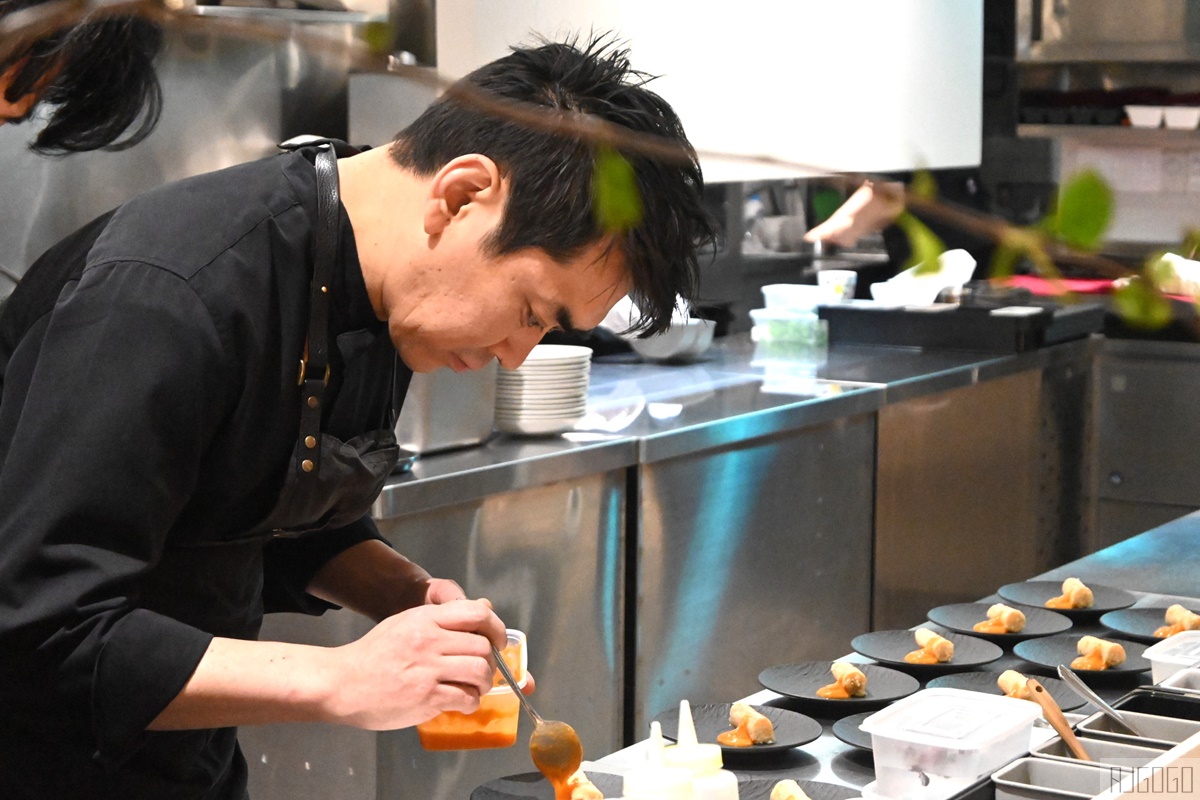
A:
{"x":839,"y":85}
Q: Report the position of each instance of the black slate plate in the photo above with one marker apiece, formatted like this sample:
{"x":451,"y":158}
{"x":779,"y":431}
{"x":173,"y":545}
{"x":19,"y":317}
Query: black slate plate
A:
{"x":961,"y":618}
{"x":532,"y":786}
{"x":846,"y":729}
{"x":799,"y":683}
{"x":1052,"y":651}
{"x":792,"y":729}
{"x":760,"y":789}
{"x":1036,"y":593}
{"x":1138,"y":624}
{"x":986,"y":682}
{"x":890,"y":647}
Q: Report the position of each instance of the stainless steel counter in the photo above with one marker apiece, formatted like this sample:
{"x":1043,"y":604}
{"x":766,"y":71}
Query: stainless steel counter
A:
{"x":641,"y":413}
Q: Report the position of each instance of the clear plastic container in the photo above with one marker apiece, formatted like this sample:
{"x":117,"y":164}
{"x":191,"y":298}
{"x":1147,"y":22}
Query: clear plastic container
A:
{"x":494,"y":723}
{"x":788,"y":325}
{"x":1173,"y":654}
{"x":935,"y":741}
{"x":799,"y":296}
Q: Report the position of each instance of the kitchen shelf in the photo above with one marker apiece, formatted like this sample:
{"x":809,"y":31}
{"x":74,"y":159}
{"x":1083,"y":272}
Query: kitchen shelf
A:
{"x":289,"y":15}
{"x":1111,"y":134}
{"x":1110,"y":53}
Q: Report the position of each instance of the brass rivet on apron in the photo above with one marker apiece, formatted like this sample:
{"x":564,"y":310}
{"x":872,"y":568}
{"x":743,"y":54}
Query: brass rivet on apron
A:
{"x":313,"y":402}
{"x":310,"y":441}
{"x":306,"y":465}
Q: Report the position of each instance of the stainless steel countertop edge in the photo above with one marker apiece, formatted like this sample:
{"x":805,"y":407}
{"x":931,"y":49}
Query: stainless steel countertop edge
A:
{"x":748,"y":427}
{"x":409,"y":495}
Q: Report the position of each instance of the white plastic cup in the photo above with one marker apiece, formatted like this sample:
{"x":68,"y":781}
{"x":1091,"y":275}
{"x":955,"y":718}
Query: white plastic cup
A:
{"x":840,"y":282}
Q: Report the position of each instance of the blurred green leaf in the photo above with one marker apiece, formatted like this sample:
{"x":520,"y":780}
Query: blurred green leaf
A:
{"x":615,"y":197}
{"x":1141,"y":305}
{"x":924,"y":185}
{"x":925,"y":245}
{"x":825,"y":201}
{"x":1083,"y":211}
{"x":377,"y":36}
{"x":1004,"y":261}
{"x":1158,"y":270}
{"x":1191,"y":244}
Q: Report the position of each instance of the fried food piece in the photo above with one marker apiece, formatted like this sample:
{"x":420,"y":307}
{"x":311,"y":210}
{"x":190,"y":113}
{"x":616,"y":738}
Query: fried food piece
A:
{"x":1012,"y":683}
{"x":850,"y":678}
{"x":582,"y":788}
{"x":1074,"y":595}
{"x":849,"y":682}
{"x":760,"y":729}
{"x":1179,"y":619}
{"x":1007,"y":618}
{"x":1097,"y":654}
{"x":788,"y":790}
{"x":934,"y":648}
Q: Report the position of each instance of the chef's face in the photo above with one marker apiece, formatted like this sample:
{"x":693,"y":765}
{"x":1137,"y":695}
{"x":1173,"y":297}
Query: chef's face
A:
{"x":474,"y":307}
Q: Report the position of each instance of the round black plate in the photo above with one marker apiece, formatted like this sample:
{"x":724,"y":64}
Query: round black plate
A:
{"x":799,"y":683}
{"x":760,"y":789}
{"x":1052,"y":651}
{"x":792,"y":729}
{"x":846,"y":729}
{"x":532,"y":786}
{"x":1138,"y":624}
{"x":986,"y":682}
{"x":1036,"y":593}
{"x":890,"y":647}
{"x":961,"y":617}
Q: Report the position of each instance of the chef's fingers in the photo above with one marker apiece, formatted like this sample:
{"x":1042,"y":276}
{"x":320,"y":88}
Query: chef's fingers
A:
{"x":443,"y":590}
{"x":530,"y":684}
{"x":472,"y":675}
{"x":471,"y":616}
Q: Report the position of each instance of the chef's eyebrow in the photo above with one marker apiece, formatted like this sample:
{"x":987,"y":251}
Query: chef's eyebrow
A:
{"x":563,"y":317}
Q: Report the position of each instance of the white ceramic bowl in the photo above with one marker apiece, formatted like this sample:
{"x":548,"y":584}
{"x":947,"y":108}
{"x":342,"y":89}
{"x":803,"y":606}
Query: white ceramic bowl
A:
{"x":1145,"y":116}
{"x":1182,"y":117}
{"x":683,"y":341}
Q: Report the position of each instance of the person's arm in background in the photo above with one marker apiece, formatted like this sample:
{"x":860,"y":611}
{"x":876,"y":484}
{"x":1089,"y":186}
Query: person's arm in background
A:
{"x":868,"y":210}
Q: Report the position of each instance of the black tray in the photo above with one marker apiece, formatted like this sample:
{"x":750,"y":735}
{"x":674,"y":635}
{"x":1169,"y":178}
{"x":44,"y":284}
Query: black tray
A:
{"x":961,"y":327}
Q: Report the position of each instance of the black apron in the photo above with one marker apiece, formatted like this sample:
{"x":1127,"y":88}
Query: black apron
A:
{"x":329,"y":483}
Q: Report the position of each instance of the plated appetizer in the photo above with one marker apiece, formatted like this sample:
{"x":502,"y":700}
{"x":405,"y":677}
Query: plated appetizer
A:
{"x":934,"y":649}
{"x":1002,"y":619}
{"x":850,"y":681}
{"x":750,"y":727}
{"x":1178,"y":619}
{"x":1075,"y":594}
{"x":1098,"y":654}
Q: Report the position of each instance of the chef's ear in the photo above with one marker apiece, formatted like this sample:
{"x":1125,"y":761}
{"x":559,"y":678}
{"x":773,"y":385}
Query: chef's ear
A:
{"x":464,"y":181}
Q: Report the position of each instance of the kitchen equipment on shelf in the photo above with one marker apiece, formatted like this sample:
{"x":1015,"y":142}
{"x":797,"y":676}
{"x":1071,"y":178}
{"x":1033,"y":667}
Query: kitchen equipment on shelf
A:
{"x":445,"y":410}
{"x":547,"y":394}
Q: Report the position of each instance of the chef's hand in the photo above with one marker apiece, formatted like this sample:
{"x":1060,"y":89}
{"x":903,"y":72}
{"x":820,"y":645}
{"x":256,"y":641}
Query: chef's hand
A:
{"x":442,"y":590}
{"x":416,"y":664}
{"x":871,"y":208}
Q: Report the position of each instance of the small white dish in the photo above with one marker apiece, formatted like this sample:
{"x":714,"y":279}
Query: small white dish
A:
{"x":1145,"y":116}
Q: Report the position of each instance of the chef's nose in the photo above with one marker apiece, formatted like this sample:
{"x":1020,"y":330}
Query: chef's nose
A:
{"x":512,"y":352}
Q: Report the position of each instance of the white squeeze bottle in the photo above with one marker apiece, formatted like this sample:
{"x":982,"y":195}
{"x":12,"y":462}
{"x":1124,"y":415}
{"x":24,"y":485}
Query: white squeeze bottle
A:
{"x":656,"y":780}
{"x":703,"y":761}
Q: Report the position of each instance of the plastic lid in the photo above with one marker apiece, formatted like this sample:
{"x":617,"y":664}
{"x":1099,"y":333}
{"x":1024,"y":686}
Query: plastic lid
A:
{"x":1182,"y":648}
{"x":688,"y":753}
{"x":952,"y":718}
{"x":656,"y":781}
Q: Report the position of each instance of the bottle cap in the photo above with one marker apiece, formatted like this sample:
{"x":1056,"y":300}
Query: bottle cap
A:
{"x":655,"y":781}
{"x":698,"y":759}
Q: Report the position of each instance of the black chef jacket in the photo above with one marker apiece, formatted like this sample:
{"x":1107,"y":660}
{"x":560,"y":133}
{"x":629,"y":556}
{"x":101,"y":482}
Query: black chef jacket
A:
{"x":148,"y":410}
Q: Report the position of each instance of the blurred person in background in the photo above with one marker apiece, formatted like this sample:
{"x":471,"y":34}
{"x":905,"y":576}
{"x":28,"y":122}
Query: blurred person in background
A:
{"x":90,"y":85}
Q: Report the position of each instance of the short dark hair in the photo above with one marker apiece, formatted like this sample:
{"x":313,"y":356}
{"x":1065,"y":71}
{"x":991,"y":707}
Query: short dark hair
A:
{"x":550,"y":204}
{"x":105,"y":82}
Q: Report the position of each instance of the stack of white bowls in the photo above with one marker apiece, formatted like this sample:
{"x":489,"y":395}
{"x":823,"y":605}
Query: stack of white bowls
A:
{"x":547,"y":394}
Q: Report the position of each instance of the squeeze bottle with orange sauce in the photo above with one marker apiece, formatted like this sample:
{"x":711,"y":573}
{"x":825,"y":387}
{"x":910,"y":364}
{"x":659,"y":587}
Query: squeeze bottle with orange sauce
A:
{"x":656,"y":780}
{"x":703,"y":761}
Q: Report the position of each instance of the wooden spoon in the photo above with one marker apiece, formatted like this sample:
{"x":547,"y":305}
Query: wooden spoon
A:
{"x":1055,"y":717}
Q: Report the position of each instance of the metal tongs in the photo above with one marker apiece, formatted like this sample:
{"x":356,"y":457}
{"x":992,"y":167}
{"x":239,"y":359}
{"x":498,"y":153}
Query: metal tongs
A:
{"x":1085,"y":691}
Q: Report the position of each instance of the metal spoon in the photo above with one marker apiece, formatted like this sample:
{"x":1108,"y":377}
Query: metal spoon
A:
{"x":1085,"y":691}
{"x":554,"y":746}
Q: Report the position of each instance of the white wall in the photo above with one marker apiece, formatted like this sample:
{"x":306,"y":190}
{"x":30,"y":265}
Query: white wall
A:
{"x":837,"y":85}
